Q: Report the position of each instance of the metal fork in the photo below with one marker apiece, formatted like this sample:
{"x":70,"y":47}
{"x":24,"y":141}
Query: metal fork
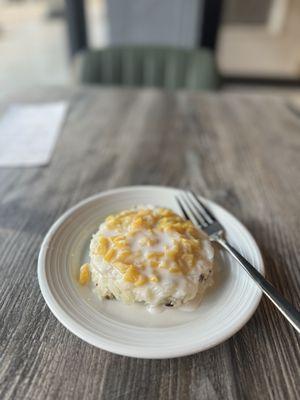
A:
{"x":195,"y":210}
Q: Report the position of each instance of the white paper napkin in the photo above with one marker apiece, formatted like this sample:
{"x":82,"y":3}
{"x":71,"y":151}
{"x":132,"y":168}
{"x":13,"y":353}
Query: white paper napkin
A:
{"x":28,"y":133}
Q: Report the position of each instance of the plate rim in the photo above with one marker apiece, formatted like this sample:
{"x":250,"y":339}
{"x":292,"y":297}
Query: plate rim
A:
{"x":112,"y":346}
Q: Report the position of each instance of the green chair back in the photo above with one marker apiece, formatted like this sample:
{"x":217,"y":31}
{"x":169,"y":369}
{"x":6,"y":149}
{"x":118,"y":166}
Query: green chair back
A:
{"x":137,"y":66}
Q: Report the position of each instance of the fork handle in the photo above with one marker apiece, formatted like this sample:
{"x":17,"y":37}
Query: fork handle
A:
{"x":289,"y":311}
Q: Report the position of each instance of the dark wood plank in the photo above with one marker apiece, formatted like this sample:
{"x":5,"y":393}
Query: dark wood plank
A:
{"x":241,"y":151}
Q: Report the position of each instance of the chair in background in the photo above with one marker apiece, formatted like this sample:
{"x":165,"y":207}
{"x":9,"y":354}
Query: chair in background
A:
{"x":166,"y":43}
{"x":152,"y":66}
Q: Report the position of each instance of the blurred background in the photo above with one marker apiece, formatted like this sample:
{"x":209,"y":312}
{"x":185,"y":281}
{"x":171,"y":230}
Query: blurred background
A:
{"x":254,"y":43}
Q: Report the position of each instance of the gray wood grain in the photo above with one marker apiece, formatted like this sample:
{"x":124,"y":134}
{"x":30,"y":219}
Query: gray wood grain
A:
{"x":241,"y":151}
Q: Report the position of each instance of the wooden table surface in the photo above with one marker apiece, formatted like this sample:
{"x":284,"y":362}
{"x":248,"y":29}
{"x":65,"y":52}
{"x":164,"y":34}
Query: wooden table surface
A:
{"x":241,"y":151}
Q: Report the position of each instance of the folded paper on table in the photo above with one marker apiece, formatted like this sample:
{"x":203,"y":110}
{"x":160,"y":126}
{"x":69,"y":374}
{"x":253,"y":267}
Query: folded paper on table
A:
{"x":28,"y":133}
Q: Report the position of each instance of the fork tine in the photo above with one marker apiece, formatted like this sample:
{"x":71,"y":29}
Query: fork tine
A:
{"x":182,"y":208}
{"x":197,"y":209}
{"x":204,"y":221}
{"x":203,"y":207}
{"x":184,"y":205}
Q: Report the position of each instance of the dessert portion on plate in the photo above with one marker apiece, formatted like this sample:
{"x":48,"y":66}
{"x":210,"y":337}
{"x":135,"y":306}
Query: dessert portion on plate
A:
{"x":149,"y":255}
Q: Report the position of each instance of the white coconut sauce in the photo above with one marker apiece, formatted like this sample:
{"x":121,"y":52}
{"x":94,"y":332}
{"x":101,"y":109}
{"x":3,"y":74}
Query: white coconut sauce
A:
{"x":186,"y":291}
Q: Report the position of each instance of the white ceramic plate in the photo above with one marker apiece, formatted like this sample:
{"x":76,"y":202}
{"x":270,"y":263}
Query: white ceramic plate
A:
{"x":131,"y":330}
